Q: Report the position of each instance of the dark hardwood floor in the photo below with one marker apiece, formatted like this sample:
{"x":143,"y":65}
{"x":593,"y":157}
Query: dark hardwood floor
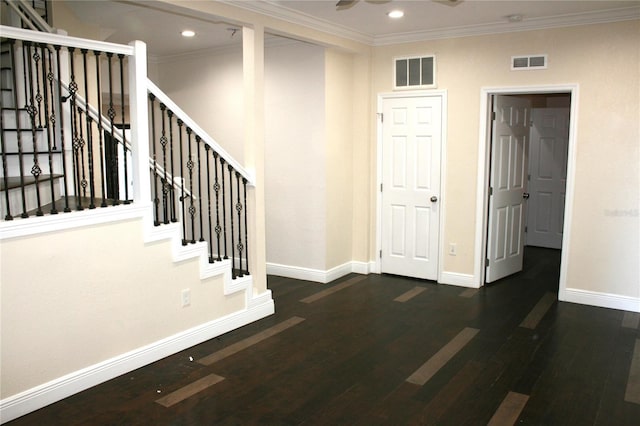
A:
{"x":388,"y":350}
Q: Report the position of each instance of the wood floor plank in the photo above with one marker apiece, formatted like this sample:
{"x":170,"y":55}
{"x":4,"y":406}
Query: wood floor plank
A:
{"x":409,"y":294}
{"x":249,"y":341}
{"x":509,"y":410}
{"x":189,"y":390}
{"x":632,"y":393}
{"x":437,"y":361}
{"x":469,"y":293}
{"x":336,"y":288}
{"x":631,"y":320}
{"x":531,"y":321}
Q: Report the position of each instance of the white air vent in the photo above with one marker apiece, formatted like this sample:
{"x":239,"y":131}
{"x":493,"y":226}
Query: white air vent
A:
{"x":414,"y":72}
{"x":530,"y":62}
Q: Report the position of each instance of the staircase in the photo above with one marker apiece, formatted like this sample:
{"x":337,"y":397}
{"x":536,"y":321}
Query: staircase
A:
{"x":105,"y":177}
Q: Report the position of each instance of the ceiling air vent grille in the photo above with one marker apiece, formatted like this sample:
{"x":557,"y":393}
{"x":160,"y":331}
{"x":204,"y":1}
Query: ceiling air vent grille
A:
{"x":529,"y":62}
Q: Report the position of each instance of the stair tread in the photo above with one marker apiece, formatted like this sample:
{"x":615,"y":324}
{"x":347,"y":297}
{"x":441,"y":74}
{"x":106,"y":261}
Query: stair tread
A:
{"x":12,"y":182}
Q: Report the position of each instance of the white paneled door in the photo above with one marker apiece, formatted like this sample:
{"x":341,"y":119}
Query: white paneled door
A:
{"x":411,"y":144}
{"x":508,"y":186}
{"x":548,"y":177}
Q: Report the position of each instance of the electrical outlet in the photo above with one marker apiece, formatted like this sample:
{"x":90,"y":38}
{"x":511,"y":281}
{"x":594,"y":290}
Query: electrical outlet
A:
{"x":452,"y":249}
{"x":186,"y":297}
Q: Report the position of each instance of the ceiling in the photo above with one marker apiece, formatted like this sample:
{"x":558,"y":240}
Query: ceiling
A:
{"x":365,"y":21}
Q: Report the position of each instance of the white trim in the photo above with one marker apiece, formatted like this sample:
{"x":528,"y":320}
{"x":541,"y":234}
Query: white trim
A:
{"x":77,"y":219}
{"x":483,"y":173}
{"x":585,"y":18}
{"x":55,"y":390}
{"x":442,"y":93}
{"x":603,"y":300}
{"x":455,"y":278}
{"x":64,"y":40}
{"x":271,"y":9}
{"x":318,"y":275}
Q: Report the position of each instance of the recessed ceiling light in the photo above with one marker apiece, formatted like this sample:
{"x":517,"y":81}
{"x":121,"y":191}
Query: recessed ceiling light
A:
{"x":395,"y":14}
{"x":188,"y":33}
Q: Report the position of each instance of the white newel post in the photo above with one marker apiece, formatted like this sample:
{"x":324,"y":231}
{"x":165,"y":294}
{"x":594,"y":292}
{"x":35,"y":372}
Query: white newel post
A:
{"x":253,"y":72}
{"x":139,"y":118}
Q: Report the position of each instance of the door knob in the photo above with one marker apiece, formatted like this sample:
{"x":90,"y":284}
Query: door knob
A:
{"x":525,"y":195}
{"x":434,"y":199}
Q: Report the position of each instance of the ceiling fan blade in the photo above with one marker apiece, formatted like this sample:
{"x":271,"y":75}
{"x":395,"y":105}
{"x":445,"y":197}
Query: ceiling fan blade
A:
{"x":449,"y":2}
{"x":345,"y":3}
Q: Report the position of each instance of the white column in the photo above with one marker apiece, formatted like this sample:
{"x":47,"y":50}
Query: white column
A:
{"x":139,"y":118}
{"x":253,"y":72}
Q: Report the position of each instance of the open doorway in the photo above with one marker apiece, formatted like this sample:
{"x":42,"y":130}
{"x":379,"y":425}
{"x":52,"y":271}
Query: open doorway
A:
{"x":525,"y":177}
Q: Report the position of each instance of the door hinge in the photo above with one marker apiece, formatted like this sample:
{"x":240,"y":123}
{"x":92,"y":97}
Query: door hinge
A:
{"x":526,"y":229}
{"x":381,"y":187}
{"x":380,"y":254}
{"x":381,"y":117}
{"x":490,"y":190}
{"x":486,"y":262}
{"x":493,"y":116}
{"x":528,"y":177}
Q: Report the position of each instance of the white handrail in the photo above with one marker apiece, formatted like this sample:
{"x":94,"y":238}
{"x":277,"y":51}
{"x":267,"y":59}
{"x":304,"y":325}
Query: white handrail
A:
{"x":204,"y":136}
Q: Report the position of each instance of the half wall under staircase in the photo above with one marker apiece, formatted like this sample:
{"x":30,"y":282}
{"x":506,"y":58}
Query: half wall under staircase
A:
{"x":132,"y":205}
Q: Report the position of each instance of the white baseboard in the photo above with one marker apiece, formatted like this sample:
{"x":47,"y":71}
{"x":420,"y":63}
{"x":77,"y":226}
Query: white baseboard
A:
{"x":55,"y":390}
{"x":318,"y":275}
{"x":454,"y":278}
{"x":603,"y":300}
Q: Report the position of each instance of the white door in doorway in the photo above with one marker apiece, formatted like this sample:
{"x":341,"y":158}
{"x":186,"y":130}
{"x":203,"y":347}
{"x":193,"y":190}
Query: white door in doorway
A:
{"x":548,"y":177}
{"x":508,"y":185}
{"x":411,"y":144}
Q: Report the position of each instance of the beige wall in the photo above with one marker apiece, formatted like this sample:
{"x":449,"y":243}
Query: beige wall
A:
{"x":93,"y":293}
{"x":604,"y":61}
{"x":338,"y":157}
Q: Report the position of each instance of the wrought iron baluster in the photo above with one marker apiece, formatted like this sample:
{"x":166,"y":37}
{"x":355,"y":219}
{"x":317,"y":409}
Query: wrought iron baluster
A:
{"x":156,"y":200}
{"x":83,"y":181}
{"x":224,"y":209}
{"x":112,"y":167}
{"x":233,"y":249}
{"x":62,"y":140}
{"x":163,"y":180}
{"x":239,"y":209}
{"x":216,"y":187}
{"x":38,"y":96}
{"x":206,"y":155}
{"x":124,"y":134}
{"x":78,"y":142}
{"x":246,"y":229}
{"x":14,"y":81}
{"x":36,"y":171}
{"x":173,"y":174}
{"x":192,"y":208}
{"x":4,"y":156}
{"x":182,"y":200}
{"x":88,"y":121}
{"x":198,"y":143}
{"x":49,"y":134}
{"x":103,"y":186}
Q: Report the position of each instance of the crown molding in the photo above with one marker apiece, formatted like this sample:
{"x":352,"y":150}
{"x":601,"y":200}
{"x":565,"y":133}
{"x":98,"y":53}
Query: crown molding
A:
{"x":268,"y":8}
{"x":286,"y":14}
{"x":587,"y":18}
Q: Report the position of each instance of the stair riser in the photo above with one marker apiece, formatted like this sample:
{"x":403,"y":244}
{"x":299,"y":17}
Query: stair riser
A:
{"x":15,"y":197}
{"x":13,"y":164}
{"x":9,"y":119}
{"x":26,"y":140}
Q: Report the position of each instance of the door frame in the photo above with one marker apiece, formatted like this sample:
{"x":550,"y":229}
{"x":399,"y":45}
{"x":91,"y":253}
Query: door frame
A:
{"x":442,"y":93}
{"x":484,"y":160}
